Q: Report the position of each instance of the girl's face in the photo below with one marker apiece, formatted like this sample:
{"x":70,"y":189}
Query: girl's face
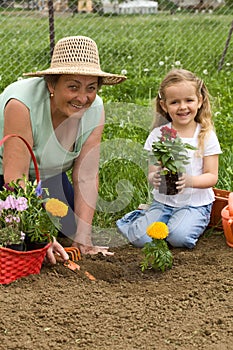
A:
{"x":73,"y":94}
{"x":181,"y":103}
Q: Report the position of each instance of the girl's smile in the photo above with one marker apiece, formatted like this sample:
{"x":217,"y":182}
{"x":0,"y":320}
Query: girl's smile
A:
{"x":181,"y":102}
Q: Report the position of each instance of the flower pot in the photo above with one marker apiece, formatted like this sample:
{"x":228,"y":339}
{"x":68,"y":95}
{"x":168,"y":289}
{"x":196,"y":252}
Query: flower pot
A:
{"x":19,"y":247}
{"x":33,"y":245}
{"x":227,"y":221}
{"x":36,"y":245}
{"x":221,"y":201}
{"x":168,"y":183}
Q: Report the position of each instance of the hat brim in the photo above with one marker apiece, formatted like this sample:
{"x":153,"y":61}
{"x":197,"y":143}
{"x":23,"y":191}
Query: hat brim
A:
{"x":108,"y":78}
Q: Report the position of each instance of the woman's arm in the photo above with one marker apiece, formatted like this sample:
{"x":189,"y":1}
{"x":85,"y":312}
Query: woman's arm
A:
{"x":85,"y":182}
{"x":16,"y":158}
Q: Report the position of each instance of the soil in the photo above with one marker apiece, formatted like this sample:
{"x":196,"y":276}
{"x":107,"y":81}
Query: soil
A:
{"x":187,"y":307}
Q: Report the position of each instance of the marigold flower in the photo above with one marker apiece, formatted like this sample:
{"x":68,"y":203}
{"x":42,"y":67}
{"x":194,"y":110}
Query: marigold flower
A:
{"x":56,"y":207}
{"x":157,"y":230}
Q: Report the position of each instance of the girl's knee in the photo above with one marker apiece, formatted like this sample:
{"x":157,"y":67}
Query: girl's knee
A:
{"x":177,"y":240}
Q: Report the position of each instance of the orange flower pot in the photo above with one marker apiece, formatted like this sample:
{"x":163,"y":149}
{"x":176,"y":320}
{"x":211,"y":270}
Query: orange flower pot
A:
{"x":221,"y":200}
{"x":227,"y":220}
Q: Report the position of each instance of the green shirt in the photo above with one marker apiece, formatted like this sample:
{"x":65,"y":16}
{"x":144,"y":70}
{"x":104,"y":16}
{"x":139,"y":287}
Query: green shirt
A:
{"x":51,"y":157}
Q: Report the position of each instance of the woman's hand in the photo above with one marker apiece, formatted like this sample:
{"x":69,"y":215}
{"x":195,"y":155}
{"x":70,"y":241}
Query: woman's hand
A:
{"x":56,"y":248}
{"x":92,"y":250}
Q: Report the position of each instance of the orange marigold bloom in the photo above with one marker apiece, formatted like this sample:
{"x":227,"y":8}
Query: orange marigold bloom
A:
{"x":56,"y":207}
{"x":157,"y":230}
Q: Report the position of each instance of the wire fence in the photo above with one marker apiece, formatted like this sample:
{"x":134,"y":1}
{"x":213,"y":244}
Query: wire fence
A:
{"x":144,"y":46}
{"x":40,"y":23}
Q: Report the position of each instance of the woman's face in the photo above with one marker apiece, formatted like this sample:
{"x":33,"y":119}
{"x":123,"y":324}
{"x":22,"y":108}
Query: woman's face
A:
{"x":73,"y":94}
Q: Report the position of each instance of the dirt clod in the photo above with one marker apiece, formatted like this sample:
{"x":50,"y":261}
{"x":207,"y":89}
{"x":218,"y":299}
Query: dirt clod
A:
{"x":188,"y":307}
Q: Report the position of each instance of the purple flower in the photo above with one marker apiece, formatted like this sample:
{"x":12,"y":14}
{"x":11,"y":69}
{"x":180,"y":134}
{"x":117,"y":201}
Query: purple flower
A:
{"x":9,"y":188}
{"x":38,"y":189}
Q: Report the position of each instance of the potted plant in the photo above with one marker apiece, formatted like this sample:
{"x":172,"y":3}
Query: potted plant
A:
{"x":171,"y":154}
{"x":27,"y":215}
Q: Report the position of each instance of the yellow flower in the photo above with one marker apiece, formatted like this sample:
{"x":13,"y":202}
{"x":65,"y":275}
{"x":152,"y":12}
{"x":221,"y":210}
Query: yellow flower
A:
{"x":56,"y":207}
{"x":157,"y":230}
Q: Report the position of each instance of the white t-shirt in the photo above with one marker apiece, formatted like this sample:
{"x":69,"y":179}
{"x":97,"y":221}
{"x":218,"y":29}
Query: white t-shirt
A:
{"x":190,"y":196}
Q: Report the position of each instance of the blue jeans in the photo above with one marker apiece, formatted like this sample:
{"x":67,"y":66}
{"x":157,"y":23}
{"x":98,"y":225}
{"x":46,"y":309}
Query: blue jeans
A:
{"x":185,"y":224}
{"x":60,"y":187}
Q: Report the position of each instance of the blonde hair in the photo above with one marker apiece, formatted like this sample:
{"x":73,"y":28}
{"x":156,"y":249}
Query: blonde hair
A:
{"x":204,"y":114}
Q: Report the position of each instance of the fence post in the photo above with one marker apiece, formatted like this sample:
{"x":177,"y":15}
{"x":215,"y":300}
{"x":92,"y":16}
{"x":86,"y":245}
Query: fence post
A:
{"x":225,"y":48}
{"x":51,"y":26}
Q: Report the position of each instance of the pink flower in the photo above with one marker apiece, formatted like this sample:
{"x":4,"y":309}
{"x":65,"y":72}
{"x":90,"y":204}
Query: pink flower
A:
{"x":168,"y":133}
{"x":2,"y":205}
{"x":10,"y":202}
{"x":16,"y":219}
{"x":21,"y":204}
{"x":9,"y":218}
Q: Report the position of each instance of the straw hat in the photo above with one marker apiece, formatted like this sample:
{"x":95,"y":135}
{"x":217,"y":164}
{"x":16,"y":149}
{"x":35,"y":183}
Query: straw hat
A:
{"x":77,"y":55}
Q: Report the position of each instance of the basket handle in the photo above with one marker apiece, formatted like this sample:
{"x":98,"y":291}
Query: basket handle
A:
{"x":30,"y":150}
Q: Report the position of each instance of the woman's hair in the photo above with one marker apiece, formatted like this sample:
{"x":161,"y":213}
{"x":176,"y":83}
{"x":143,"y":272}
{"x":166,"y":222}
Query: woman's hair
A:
{"x":204,"y":114}
{"x":53,"y":79}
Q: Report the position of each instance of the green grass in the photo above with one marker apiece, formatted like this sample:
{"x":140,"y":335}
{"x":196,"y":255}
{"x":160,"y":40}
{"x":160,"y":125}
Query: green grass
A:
{"x":137,"y":44}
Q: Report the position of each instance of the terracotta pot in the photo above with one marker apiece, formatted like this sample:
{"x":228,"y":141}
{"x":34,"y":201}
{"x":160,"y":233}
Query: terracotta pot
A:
{"x":221,"y":200}
{"x":227,"y":221}
{"x":168,"y":184}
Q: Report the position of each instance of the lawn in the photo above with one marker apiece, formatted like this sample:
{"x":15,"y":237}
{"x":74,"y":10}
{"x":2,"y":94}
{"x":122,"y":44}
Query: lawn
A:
{"x":145,"y":48}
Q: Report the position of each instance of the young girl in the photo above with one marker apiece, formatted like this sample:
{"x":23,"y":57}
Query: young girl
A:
{"x":183,"y":100}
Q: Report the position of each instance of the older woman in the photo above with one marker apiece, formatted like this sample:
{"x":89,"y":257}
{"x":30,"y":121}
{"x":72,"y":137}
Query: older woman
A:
{"x":59,"y":113}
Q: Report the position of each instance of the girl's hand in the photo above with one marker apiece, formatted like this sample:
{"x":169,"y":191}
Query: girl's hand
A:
{"x":184,"y":181}
{"x":180,"y":184}
{"x":155,"y":179}
{"x":92,"y":250}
